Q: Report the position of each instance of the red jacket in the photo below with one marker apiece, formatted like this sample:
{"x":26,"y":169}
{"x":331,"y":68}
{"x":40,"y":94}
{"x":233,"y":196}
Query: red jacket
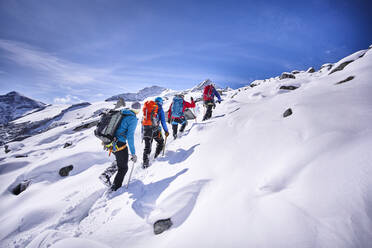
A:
{"x":185,"y":106}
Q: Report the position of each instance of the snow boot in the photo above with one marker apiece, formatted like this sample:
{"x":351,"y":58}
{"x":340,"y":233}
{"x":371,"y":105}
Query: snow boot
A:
{"x":145,"y":164}
{"x":105,"y":180}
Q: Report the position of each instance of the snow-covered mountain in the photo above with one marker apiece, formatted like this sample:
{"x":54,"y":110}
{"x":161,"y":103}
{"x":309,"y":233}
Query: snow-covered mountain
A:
{"x":140,"y":95}
{"x":285,"y":162}
{"x":201,"y":85}
{"x":14,"y":105}
{"x":44,"y":119}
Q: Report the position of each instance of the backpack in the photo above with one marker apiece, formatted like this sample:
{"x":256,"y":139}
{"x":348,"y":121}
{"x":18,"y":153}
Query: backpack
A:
{"x":107,"y":126}
{"x":150,"y":112}
{"x":177,"y":106}
{"x":207,"y":94}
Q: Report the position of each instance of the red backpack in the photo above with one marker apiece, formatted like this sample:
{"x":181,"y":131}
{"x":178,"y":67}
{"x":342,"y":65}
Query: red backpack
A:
{"x":207,"y":94}
{"x":150,"y":110}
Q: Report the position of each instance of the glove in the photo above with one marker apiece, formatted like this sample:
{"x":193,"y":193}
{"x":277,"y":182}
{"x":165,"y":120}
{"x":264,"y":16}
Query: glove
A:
{"x":133,"y":158}
{"x":192,"y":99}
{"x":166,"y":134}
{"x":169,"y":120}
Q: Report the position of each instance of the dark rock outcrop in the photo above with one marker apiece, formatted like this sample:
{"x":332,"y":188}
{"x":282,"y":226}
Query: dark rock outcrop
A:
{"x":162,"y":225}
{"x":86,"y":126}
{"x":287,"y":113}
{"x":286,"y":75}
{"x":67,"y":144}
{"x":310,"y":70}
{"x":341,"y":66}
{"x":327,"y":66}
{"x":346,"y":79}
{"x":21,"y":187}
{"x":295,"y":71}
{"x":6,"y":148}
{"x":288,"y":87}
{"x":21,"y":156}
{"x":64,"y":171}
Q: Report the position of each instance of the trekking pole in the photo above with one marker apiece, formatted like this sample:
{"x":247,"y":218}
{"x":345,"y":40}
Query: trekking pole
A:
{"x":130,"y":175}
{"x":165,"y":142}
{"x":196,"y":118}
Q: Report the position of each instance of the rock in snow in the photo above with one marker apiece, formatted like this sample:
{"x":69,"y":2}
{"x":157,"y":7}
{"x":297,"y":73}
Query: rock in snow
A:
{"x":310,"y":70}
{"x":345,"y":80}
{"x":67,"y":144}
{"x":288,"y":87}
{"x":287,"y":113}
{"x":64,"y":171}
{"x":162,"y":225}
{"x":286,"y":75}
{"x":21,"y":187}
{"x":341,"y":66}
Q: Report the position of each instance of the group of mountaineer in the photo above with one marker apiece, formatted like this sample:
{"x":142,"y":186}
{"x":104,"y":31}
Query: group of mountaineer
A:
{"x":152,"y":124}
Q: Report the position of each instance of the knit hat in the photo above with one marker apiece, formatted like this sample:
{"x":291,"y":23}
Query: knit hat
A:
{"x":136,"y":107}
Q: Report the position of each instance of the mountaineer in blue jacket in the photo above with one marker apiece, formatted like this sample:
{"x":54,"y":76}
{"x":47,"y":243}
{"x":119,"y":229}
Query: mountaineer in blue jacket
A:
{"x":124,"y":137}
{"x":152,"y":131}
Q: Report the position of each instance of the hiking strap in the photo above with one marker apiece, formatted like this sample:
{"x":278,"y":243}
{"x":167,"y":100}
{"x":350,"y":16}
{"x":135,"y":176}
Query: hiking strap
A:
{"x":117,"y":149}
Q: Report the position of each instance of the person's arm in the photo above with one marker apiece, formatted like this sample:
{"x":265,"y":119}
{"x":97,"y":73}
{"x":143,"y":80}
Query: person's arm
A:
{"x":217,"y":94}
{"x":130,"y":136}
{"x":189,"y":105}
{"x":162,"y":119}
{"x":170,"y":112}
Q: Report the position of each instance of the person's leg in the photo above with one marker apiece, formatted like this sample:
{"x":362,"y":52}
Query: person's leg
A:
{"x":184,"y":124}
{"x":108,"y":173}
{"x":174,"y":128}
{"x":160,"y":142}
{"x":122,"y":164}
{"x":147,"y":136}
{"x":208,"y":114}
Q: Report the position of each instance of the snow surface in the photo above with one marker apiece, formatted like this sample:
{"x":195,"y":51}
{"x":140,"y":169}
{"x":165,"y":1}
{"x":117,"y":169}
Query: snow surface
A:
{"x":245,"y":178}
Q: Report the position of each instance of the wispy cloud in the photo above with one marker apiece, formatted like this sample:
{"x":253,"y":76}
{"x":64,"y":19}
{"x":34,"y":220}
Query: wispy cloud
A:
{"x":61,"y":70}
{"x":67,"y":99}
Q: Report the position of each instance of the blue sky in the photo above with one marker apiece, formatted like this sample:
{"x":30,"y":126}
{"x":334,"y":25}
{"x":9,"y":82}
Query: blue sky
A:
{"x":87,"y":50}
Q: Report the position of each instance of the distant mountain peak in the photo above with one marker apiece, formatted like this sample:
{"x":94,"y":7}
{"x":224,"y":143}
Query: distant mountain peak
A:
{"x":201,"y":85}
{"x":14,"y":105}
{"x":140,"y":95}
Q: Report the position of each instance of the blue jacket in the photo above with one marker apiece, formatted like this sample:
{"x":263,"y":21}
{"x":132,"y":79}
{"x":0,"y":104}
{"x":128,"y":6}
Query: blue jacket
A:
{"x":161,"y":118}
{"x":125,"y":131}
{"x":215,"y":93}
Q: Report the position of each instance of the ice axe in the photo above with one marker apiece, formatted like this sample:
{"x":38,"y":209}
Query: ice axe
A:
{"x":130,"y":175}
{"x":165,"y":142}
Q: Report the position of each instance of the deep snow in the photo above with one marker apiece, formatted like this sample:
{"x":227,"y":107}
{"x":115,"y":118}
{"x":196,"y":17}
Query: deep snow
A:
{"x":245,"y":178}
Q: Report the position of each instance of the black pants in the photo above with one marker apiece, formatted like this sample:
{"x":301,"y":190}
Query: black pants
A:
{"x":209,"y":104}
{"x":122,"y":164}
{"x":149,"y":134}
{"x":175,"y":123}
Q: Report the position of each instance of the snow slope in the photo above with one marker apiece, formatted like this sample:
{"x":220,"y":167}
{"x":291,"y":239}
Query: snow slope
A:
{"x":248,"y":177}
